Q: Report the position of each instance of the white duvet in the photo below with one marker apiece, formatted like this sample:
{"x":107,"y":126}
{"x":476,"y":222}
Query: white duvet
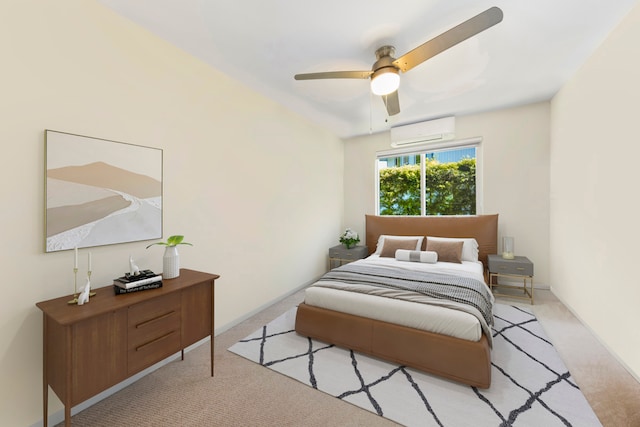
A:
{"x":436,"y":316}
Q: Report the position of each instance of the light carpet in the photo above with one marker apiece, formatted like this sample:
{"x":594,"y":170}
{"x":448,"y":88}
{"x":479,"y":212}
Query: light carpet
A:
{"x":530,"y":386}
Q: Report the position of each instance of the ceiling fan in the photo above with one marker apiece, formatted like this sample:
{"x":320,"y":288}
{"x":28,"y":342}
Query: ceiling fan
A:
{"x":385,"y":72}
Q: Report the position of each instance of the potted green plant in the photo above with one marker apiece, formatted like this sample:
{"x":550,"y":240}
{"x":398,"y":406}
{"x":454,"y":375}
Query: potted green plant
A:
{"x":171,"y":258}
{"x":349,"y":238}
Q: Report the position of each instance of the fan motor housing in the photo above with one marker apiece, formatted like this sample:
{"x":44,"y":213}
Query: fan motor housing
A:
{"x":385,"y":58}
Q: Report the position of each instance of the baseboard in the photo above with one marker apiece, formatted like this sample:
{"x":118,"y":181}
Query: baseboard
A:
{"x":597,"y":337}
{"x":257,"y":310}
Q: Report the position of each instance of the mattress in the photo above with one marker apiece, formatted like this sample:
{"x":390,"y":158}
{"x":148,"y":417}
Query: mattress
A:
{"x":406,"y":308}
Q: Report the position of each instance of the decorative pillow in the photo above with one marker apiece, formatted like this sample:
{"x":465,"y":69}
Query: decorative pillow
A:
{"x":447,"y":251}
{"x":417,"y":256}
{"x":390,"y":245}
{"x":469,"y":247}
{"x":382,"y":238}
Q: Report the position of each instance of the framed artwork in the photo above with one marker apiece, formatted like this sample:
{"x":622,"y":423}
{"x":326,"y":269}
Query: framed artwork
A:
{"x":100,"y":192}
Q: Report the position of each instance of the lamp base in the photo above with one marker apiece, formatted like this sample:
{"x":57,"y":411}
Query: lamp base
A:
{"x":508,"y":255}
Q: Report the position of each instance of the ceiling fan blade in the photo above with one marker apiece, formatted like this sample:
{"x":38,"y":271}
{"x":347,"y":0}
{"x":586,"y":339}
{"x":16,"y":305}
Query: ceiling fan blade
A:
{"x":392,"y":102}
{"x":449,"y":38}
{"x":335,"y":75}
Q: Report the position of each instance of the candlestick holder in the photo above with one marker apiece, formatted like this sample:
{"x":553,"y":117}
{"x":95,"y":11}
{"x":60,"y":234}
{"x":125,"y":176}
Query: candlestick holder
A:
{"x":75,"y":287}
{"x":89,"y":277}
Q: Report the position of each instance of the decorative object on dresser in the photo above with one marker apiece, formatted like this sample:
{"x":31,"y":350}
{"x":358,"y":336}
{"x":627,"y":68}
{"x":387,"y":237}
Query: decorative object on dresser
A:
{"x":89,"y":348}
{"x":82,"y":296}
{"x":89,"y":180}
{"x":144,"y":280}
{"x":519,"y":267}
{"x":121,"y":291}
{"x":171,"y":258}
{"x":339,"y":255}
{"x":374,"y":324}
{"x":134,"y":270}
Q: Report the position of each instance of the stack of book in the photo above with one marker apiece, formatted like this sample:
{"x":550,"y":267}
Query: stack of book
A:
{"x":128,"y":283}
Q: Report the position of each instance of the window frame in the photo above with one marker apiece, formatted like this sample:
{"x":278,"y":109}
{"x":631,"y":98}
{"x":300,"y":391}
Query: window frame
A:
{"x":432,"y":147}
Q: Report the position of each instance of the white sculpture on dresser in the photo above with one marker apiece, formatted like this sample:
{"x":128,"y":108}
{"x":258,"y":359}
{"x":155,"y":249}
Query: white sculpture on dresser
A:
{"x":133,"y":268}
{"x":84,"y":295}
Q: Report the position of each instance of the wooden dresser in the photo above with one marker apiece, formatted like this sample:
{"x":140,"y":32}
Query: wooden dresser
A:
{"x":92,"y":347}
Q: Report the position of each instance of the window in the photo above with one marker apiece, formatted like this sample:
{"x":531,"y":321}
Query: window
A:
{"x":438,"y":181}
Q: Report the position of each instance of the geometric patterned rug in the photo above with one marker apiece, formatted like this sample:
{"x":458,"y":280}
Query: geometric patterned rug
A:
{"x":530,"y":385}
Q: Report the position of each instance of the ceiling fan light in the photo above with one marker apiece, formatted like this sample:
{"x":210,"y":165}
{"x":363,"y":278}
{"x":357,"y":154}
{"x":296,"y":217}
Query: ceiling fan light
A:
{"x":385,"y":81}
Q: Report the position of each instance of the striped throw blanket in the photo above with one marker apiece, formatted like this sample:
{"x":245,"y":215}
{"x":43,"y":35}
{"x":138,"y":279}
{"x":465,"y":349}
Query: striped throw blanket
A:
{"x":460,"y":289}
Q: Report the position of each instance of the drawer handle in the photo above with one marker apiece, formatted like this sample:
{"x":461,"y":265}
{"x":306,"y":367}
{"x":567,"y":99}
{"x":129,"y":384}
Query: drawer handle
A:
{"x":155,"y":319}
{"x":520,"y":268}
{"x":140,"y":347}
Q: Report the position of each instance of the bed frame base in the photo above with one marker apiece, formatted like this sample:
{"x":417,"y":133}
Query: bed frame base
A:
{"x":456,"y":359}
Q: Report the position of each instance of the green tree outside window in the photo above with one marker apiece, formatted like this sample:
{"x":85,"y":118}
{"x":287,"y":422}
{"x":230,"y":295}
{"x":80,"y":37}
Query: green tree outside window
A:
{"x":450,"y":188}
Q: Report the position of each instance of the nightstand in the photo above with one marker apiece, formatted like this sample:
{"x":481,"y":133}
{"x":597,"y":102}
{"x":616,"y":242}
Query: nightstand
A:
{"x":519,"y":268}
{"x":339,"y":255}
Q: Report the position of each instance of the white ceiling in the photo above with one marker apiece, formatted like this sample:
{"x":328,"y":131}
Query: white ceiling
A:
{"x":525,"y":58}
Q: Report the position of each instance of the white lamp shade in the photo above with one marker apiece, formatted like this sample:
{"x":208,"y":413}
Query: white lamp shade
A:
{"x":386,"y":82}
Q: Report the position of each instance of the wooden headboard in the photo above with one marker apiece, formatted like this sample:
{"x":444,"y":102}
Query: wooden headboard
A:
{"x":484,"y":228}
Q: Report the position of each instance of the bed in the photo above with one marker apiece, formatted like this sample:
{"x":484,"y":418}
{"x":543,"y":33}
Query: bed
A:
{"x":438,"y":337}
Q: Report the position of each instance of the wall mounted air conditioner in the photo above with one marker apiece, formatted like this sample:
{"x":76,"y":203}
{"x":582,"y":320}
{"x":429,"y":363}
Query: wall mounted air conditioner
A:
{"x":423,"y":132}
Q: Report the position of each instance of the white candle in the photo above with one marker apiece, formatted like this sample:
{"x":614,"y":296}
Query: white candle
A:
{"x":75,"y":259}
{"x":89,"y":256}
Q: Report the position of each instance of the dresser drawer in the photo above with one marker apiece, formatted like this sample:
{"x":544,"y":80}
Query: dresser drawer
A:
{"x":153,"y":331}
{"x":520,"y":266}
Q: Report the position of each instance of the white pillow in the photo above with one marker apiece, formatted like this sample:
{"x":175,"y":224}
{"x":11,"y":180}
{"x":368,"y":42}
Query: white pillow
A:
{"x":469,"y":246}
{"x":417,"y":256}
{"x":383,"y":236}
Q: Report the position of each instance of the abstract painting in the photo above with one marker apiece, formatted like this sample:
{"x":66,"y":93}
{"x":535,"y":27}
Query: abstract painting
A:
{"x":100,"y":192}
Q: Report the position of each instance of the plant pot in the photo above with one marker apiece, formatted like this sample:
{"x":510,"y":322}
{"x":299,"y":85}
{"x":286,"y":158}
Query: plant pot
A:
{"x":171,"y":263}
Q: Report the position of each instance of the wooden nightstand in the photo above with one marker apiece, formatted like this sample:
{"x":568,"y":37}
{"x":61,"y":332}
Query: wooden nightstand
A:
{"x":339,"y":255}
{"x":520,"y":268}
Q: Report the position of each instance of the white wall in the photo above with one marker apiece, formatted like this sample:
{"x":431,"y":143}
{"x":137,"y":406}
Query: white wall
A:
{"x":515,"y":176}
{"x":254,"y":187}
{"x":594,"y":206}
